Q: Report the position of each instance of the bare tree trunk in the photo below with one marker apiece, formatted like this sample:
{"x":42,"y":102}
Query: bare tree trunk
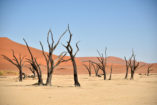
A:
{"x":40,"y":80}
{"x":20,"y":74}
{"x":88,"y":68}
{"x":133,"y":65}
{"x":102,"y":62}
{"x":148,"y":73}
{"x":75,"y":72}
{"x":72,"y":56}
{"x":96,"y":73}
{"x":19,"y":63}
{"x":33,"y":72}
{"x":132,"y":75}
{"x":96,"y":68}
{"x":36,"y":67}
{"x":127,"y":63}
{"x":149,"y":69}
{"x":49,"y":78}
{"x":90,"y":74}
{"x":126,"y":75}
{"x":110,"y":74}
{"x":104,"y":73}
{"x":51,"y":63}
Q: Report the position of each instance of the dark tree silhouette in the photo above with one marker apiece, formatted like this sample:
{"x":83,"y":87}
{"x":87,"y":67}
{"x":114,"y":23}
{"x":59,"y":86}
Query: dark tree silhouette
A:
{"x":35,"y":65}
{"x":33,"y":72}
{"x":102,"y":62}
{"x":133,"y":65}
{"x":88,"y":67}
{"x":18,"y":62}
{"x":96,"y":69}
{"x":49,"y":57}
{"x":110,"y":73}
{"x":72,"y":56}
{"x":149,"y":69}
{"x":127,"y":63}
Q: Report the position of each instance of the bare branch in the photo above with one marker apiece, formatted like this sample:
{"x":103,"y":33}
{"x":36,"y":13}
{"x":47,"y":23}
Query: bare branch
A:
{"x":15,"y":57}
{"x":28,"y":49}
{"x":8,"y":59}
{"x":59,"y":39}
{"x":60,"y":60}
{"x":48,"y":38}
{"x":60,"y":56}
{"x":77,"y":48}
{"x":43,"y":52}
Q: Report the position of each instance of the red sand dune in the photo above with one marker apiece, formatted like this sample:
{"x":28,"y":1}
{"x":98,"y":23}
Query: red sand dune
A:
{"x":65,"y":68}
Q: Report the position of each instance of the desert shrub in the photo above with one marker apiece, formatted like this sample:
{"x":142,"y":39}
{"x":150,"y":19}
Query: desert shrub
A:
{"x":6,"y":72}
{"x":11,"y":73}
{"x":1,"y":73}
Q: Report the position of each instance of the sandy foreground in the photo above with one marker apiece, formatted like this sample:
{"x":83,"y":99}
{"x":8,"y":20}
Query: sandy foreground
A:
{"x":93,"y":91}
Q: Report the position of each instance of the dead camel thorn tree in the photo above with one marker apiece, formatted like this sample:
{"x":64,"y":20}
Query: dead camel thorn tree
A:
{"x":35,"y":65}
{"x":52,"y":63}
{"x":133,"y":65}
{"x":127,"y":65}
{"x":72,"y":56}
{"x":33,"y":72}
{"x":96,"y":69}
{"x":18,"y":62}
{"x":88,"y":67}
{"x":102,"y":62}
{"x":149,"y":69}
{"x":29,"y":67}
{"x":110,"y":73}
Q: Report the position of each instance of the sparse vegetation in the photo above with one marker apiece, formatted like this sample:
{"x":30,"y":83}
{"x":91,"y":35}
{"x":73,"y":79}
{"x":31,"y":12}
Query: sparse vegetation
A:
{"x":52,"y":62}
{"x":102,"y":62}
{"x":110,"y":73}
{"x":8,"y":72}
{"x":16,"y":61}
{"x":127,"y":63}
{"x":72,"y":57}
{"x":35,"y":65}
{"x":149,"y":69}
{"x":88,"y":68}
{"x":96,"y":69}
{"x":1,"y":73}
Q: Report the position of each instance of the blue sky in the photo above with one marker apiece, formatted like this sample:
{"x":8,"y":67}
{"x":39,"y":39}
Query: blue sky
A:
{"x":119,"y":25}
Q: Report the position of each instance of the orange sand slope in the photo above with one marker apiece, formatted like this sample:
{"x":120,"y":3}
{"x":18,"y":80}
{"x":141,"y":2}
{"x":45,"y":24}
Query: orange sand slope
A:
{"x":65,"y":68}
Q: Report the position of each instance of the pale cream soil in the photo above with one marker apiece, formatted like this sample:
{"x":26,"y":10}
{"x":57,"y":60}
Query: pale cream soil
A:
{"x":93,"y":91}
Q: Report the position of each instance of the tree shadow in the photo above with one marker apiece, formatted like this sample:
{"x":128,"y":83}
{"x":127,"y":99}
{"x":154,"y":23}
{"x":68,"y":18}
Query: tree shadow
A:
{"x":36,"y":85}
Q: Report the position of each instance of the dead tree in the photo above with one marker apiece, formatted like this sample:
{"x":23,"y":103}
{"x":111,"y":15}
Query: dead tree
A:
{"x":88,"y":67}
{"x":96,"y":69}
{"x":35,"y":65}
{"x":133,"y":65}
{"x":49,"y":57}
{"x":18,"y":62}
{"x":72,"y":56}
{"x":33,"y":72}
{"x":127,"y":63}
{"x":102,"y":62}
{"x":149,"y":69}
{"x":110,"y":73}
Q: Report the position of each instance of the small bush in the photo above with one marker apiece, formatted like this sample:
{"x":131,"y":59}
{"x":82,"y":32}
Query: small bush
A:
{"x":1,"y":73}
{"x":8,"y":72}
{"x":11,"y":73}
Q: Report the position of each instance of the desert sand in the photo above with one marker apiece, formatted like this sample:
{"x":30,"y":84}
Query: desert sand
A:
{"x":93,"y":91}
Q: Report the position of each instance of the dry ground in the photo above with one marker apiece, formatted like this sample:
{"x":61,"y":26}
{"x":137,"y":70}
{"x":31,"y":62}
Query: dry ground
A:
{"x":93,"y":91}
